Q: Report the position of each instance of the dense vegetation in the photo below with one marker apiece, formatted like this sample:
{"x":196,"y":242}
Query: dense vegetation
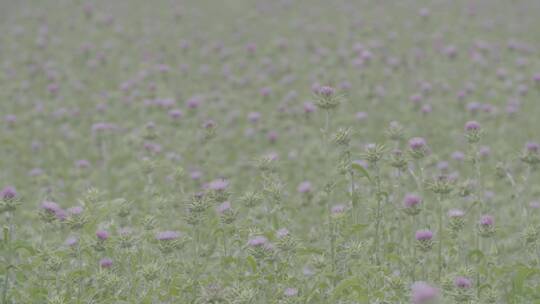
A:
{"x":249,"y":151}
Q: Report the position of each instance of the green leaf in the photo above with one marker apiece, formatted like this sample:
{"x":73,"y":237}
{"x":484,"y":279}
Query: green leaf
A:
{"x":522,"y":275}
{"x":475,"y":255}
{"x":252,"y":263}
{"x":19,"y":244}
{"x":361,"y":170}
{"x":351,"y":283}
{"x":359,"y":228}
{"x":309,"y":250}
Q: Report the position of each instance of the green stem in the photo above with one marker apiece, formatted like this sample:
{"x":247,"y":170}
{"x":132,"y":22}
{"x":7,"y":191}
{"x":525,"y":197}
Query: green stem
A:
{"x":378,"y":214}
{"x":478,"y":267}
{"x":413,"y":264}
{"x":441,"y":234}
{"x":332,"y":243}
{"x":79,"y":258}
{"x":8,"y":234}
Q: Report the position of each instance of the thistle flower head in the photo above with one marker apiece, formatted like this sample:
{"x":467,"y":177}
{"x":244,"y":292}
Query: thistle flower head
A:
{"x":167,"y":235}
{"x":458,"y":155}
{"x":257,"y":241}
{"x":487,"y":220}
{"x":486,"y":226}
{"x":472,"y":126}
{"x":223,"y":207}
{"x":304,"y":187}
{"x":71,"y":241}
{"x":424,"y":235}
{"x":102,"y":235}
{"x":473,"y":131}
{"x":417,"y":143}
{"x":327,"y":98}
{"x":462,"y":282}
{"x":9,"y":193}
{"x":423,"y":293}
{"x":532,"y":147}
{"x":105,"y":263}
{"x":218,"y":185}
{"x":326,"y":91}
{"x":453,"y":213}
{"x":254,"y":117}
{"x":411,"y":200}
{"x":283,"y":232}
{"x":418,"y":147}
{"x":77,"y":210}
{"x":290,"y":292}
{"x":54,"y":210}
{"x":338,"y":209}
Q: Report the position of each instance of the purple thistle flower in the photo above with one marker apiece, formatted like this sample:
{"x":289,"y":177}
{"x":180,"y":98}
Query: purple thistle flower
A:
{"x":77,"y":210}
{"x":102,"y":127}
{"x":251,"y":48}
{"x":534,"y":205}
{"x":281,"y":233}
{"x":309,"y":107}
{"x":290,"y":292}
{"x":304,"y":187}
{"x":54,"y":209}
{"x":424,"y":235}
{"x":272,"y":136}
{"x":423,"y":293}
{"x":484,"y":151}
{"x":82,"y":164}
{"x":258,"y":241}
{"x":532,"y":147}
{"x":50,"y":206}
{"x":536,"y":78}
{"x":462,"y":283}
{"x":454,"y":213}
{"x":176,"y":114}
{"x":36,"y":172}
{"x":265,"y":92}
{"x":424,"y":12}
{"x":223,"y":207}
{"x":102,"y":235}
{"x":361,"y":116}
{"x":416,"y":99}
{"x":472,"y":126}
{"x":8,"y":193}
{"x":487,"y":220}
{"x":71,"y":241}
{"x":443,"y":166}
{"x":195,"y":175}
{"x":458,"y":155}
{"x":417,"y":143}
{"x":218,"y":185}
{"x":167,"y":235}
{"x":326,"y":91}
{"x":426,"y":109}
{"x":254,"y":117}
{"x":194,"y":102}
{"x":105,"y":263}
{"x":338,"y":209}
{"x":125,"y":231}
{"x":10,"y":119}
{"x":411,"y":200}
{"x":61,"y":214}
{"x":473,"y":107}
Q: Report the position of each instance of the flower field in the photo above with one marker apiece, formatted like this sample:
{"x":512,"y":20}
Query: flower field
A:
{"x":270,"y":152}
